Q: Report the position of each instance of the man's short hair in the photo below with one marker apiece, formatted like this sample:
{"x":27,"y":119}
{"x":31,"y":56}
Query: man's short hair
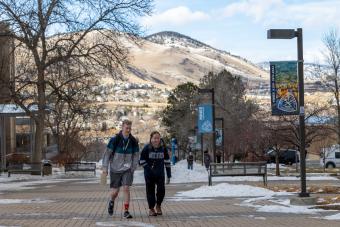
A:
{"x":127,"y":122}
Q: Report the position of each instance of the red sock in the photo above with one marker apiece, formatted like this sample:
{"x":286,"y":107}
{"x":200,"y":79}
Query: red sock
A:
{"x":126,"y":206}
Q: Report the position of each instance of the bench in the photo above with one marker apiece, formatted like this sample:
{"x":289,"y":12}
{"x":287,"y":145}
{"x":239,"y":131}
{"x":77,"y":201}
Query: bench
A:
{"x":238,"y":169}
{"x":81,"y":166}
{"x":25,"y":168}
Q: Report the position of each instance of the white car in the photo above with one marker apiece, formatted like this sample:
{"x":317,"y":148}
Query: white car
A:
{"x":330,"y":157}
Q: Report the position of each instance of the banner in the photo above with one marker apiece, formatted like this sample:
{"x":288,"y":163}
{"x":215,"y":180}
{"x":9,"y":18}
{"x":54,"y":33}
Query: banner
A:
{"x":284,"y":88}
{"x":205,"y":118}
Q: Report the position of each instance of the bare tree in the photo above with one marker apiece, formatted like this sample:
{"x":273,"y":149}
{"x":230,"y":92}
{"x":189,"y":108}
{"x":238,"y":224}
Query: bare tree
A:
{"x":51,"y":32}
{"x":329,"y":74}
{"x":283,"y":132}
{"x":72,"y":105}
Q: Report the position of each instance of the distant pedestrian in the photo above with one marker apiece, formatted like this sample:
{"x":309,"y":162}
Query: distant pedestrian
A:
{"x":218,"y":156}
{"x":175,"y":159}
{"x":207,"y":159}
{"x":190,"y":160}
{"x":154,"y":158}
{"x":121,"y":157}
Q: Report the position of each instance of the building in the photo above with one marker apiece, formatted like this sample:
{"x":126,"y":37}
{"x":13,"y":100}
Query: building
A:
{"x":7,"y":123}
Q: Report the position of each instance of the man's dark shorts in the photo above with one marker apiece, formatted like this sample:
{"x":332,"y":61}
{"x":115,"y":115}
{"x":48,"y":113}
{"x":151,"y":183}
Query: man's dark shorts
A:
{"x":121,"y":179}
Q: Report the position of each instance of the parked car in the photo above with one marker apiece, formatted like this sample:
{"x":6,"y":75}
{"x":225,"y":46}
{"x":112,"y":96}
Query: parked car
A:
{"x":286,"y":156}
{"x":330,"y":157}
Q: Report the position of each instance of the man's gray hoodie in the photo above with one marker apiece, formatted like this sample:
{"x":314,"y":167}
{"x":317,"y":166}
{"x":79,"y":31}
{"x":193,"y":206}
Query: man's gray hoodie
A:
{"x":121,"y":154}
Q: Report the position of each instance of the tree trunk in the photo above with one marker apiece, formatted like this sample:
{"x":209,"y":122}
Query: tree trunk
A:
{"x":38,"y":143}
{"x":337,"y":108}
{"x":277,"y":163}
{"x":40,"y":119}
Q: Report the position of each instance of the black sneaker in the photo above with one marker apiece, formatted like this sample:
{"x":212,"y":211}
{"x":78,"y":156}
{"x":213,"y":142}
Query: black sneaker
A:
{"x":110,"y":208}
{"x":127,"y":215}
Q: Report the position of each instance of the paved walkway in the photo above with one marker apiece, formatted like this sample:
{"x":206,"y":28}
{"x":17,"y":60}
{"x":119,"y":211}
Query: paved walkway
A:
{"x":81,"y":203}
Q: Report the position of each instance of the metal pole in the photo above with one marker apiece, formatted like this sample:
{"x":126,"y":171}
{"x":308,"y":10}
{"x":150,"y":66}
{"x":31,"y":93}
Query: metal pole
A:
{"x":302,"y":114}
{"x":223,"y":154}
{"x":214,"y":132}
{"x":2,"y":143}
{"x":201,"y":134}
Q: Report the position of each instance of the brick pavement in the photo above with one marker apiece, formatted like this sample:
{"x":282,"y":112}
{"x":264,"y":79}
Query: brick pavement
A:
{"x":81,"y":203}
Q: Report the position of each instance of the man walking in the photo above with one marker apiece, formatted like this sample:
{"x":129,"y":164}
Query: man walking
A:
{"x":190,"y":160}
{"x":207,"y":159}
{"x":122,"y":157}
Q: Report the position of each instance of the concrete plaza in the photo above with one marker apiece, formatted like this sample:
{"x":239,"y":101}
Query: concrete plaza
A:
{"x":80,"y":202}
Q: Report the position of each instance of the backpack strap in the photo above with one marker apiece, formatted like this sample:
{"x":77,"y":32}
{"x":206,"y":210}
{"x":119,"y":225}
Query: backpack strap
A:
{"x":115,"y":144}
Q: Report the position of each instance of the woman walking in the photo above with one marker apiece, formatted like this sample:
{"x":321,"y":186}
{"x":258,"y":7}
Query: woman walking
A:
{"x":154,"y":157}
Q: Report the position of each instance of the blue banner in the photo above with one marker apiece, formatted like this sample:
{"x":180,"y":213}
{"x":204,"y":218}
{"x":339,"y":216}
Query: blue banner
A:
{"x":284,"y":88}
{"x":205,"y":118}
{"x":173,"y":150}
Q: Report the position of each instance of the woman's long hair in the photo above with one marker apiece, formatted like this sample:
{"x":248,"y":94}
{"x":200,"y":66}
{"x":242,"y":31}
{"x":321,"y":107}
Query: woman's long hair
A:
{"x":154,"y":133}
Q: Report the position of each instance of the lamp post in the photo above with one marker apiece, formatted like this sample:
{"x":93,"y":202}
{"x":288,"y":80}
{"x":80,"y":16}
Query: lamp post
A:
{"x":290,"y":34}
{"x":211,"y":90}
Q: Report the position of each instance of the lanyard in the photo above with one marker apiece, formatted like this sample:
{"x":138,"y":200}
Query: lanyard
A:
{"x":125,"y":147}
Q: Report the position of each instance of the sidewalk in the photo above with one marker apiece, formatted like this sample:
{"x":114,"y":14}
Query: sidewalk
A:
{"x":81,"y":203}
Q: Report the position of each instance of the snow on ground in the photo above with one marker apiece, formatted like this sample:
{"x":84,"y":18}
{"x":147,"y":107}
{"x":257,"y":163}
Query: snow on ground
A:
{"x":265,"y":200}
{"x":31,"y":183}
{"x":21,"y":201}
{"x":180,"y":174}
{"x":229,"y":190}
{"x":332,"y":217}
{"x":279,"y":206}
{"x":273,"y":166}
{"x":10,"y":226}
{"x":18,"y":182}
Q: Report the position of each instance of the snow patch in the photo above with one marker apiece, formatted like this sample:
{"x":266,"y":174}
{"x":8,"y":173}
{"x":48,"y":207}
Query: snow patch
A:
{"x":181,"y":174}
{"x":21,"y":201}
{"x":280,"y":206}
{"x":10,"y":225}
{"x":333,"y":217}
{"x":229,"y":190}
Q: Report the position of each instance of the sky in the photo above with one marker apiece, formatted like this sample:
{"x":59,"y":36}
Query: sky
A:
{"x":240,"y":27}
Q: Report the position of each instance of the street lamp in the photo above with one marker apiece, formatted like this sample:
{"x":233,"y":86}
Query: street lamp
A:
{"x":290,"y":34}
{"x":211,"y":90}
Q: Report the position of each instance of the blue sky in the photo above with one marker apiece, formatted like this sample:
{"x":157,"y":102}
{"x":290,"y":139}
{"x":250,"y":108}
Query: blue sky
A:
{"x":240,"y":27}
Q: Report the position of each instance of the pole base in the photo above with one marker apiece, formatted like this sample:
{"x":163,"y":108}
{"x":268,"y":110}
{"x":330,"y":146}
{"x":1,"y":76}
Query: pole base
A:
{"x":304,"y":194}
{"x":303,"y":201}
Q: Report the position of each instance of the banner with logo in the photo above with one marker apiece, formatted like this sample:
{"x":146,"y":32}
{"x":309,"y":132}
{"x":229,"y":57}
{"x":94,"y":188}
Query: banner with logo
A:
{"x":219,"y":136}
{"x":205,"y":118}
{"x":284,"y":88}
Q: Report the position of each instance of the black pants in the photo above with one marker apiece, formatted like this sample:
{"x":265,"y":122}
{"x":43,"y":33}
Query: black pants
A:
{"x":151,"y":182}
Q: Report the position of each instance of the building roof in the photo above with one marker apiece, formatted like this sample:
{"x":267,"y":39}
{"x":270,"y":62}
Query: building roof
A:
{"x":12,"y":110}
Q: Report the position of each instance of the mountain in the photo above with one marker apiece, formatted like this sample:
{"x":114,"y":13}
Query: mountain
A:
{"x":166,"y":59}
{"x":311,"y":71}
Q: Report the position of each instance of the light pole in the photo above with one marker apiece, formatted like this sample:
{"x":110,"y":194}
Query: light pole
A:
{"x":290,"y":34}
{"x":212,"y":91}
